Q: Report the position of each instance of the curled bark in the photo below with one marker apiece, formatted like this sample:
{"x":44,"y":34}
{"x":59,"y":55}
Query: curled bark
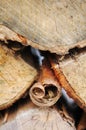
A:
{"x":47,"y":90}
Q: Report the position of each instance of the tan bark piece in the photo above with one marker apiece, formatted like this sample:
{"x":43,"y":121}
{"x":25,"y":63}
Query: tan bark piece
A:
{"x":47,"y":90}
{"x":50,"y":25}
{"x":16,"y":76}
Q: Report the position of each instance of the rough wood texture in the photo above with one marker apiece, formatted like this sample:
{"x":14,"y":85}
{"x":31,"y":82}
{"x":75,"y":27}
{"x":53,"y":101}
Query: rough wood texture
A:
{"x":16,"y":76}
{"x":47,"y":24}
{"x":74,"y":71}
{"x":71,"y":73}
{"x":27,"y":116}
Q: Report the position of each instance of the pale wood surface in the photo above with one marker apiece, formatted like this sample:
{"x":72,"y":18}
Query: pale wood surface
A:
{"x":27,"y":116}
{"x":74,"y":69}
{"x":16,"y":76}
{"x":48,"y":24}
{"x":70,"y":71}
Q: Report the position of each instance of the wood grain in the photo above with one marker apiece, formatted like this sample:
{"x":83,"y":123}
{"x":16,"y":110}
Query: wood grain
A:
{"x":27,"y":116}
{"x":16,"y":76}
{"x":50,"y":25}
{"x":71,"y":73}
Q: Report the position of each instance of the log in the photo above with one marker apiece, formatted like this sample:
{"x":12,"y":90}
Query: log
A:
{"x":50,"y":25}
{"x":71,"y":73}
{"x":29,"y":116}
{"x":16,"y":76}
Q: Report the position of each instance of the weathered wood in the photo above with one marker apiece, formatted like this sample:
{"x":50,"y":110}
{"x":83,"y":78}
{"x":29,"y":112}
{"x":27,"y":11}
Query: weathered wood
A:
{"x":16,"y":76}
{"x":47,"y":24}
{"x":71,"y":73}
{"x":30,"y":117}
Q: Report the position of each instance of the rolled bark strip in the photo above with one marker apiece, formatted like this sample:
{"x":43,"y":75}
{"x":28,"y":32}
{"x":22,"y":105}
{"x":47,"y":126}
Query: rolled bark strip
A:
{"x":47,"y":90}
{"x":71,"y":74}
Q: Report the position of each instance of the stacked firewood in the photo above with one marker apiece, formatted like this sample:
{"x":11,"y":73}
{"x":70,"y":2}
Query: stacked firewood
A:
{"x":22,"y":75}
{"x":43,"y":89}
